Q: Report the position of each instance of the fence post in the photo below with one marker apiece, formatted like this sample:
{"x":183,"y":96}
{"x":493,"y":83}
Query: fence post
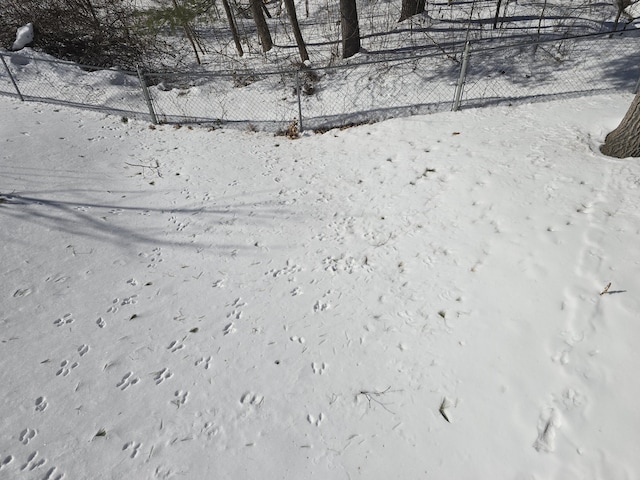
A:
{"x":147,"y":97}
{"x":15,"y":85}
{"x":300,"y":127}
{"x":463,"y":77}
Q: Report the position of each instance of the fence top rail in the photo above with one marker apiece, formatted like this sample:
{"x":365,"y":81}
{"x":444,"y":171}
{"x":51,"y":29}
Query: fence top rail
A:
{"x":482,"y":45}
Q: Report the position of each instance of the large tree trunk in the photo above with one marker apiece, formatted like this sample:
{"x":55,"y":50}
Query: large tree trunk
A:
{"x":624,"y":141}
{"x":350,"y":28}
{"x":302,"y":48}
{"x":261,"y":25}
{"x":411,"y":8}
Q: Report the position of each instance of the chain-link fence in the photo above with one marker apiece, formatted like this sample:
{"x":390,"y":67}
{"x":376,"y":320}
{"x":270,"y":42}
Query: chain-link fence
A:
{"x":319,"y":98}
{"x":552,"y":69}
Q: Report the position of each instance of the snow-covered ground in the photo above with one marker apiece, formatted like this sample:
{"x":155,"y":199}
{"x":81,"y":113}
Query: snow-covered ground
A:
{"x":418,"y":298}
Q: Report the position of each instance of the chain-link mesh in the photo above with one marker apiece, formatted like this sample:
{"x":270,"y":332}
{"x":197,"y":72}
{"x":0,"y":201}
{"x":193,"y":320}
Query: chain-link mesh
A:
{"x":44,"y":79}
{"x":377,"y":91}
{"x":230,"y":98}
{"x":319,"y":98}
{"x":569,"y":67}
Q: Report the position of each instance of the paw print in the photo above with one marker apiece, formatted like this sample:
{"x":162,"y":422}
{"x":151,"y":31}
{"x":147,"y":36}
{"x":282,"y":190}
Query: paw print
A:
{"x":127,"y":381}
{"x":180,"y":398}
{"x":65,"y":368}
{"x":162,"y":375}
{"x":27,"y":435}
{"x":66,"y":319}
{"x":41,"y":404}
{"x":134,"y":447}
{"x":205,"y":361}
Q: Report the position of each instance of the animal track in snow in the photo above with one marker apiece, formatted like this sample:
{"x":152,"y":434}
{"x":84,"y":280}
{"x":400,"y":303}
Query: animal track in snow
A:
{"x":66,"y":319}
{"x":320,"y":306}
{"x":162,"y":375}
{"x":32,"y":463}
{"x":132,"y":300}
{"x":155,"y":257}
{"x":41,"y":404}
{"x":127,"y":381}
{"x":230,"y":328}
{"x":7,"y":460}
{"x":101,"y":323}
{"x":295,"y":338}
{"x":205,"y":361}
{"x":83,"y":350}
{"x":22,"y":292}
{"x":114,"y":306}
{"x":289,"y":270}
{"x":250,"y":398}
{"x":175,"y":345}
{"x":27,"y":435}
{"x":135,"y":448}
{"x":547,"y":425}
{"x":52,"y":475}
{"x":315,"y":421}
{"x":180,"y":398}
{"x":319,"y":369}
{"x":66,"y":367}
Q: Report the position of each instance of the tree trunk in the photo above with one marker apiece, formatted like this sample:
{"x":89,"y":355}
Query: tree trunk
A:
{"x":411,"y":8}
{"x":350,"y":28}
{"x":232,"y":26}
{"x":624,"y":141}
{"x":261,"y":25}
{"x":302,"y":48}
{"x":497,"y":15}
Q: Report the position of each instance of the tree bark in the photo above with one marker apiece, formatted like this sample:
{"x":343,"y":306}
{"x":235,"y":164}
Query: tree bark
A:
{"x":302,"y":48}
{"x":261,"y":25}
{"x":624,"y":141}
{"x":411,"y":8}
{"x":232,"y":26}
{"x":350,"y":28}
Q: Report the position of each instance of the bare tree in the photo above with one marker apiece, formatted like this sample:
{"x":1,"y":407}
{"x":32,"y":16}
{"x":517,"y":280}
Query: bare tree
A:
{"x":350,"y":28}
{"x":620,"y":5}
{"x":411,"y":8}
{"x":261,"y":25}
{"x":232,"y":26}
{"x":302,"y":48}
{"x":624,"y":141}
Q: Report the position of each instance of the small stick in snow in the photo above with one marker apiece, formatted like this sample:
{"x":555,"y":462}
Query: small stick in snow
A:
{"x":606,"y":289}
{"x":443,"y":409}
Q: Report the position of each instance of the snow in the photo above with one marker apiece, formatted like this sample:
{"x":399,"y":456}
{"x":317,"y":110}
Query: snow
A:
{"x":24,"y":36}
{"x":194,"y":303}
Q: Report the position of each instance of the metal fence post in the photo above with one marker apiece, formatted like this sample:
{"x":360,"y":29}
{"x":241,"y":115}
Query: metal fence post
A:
{"x":463,"y":77}
{"x":15,"y":85}
{"x":147,"y":97}
{"x":300,"y":127}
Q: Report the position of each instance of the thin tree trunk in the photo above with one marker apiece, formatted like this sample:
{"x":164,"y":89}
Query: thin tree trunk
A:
{"x":261,"y":25}
{"x":350,"y":28}
{"x":495,"y":19}
{"x":624,"y":141}
{"x":232,"y":26}
{"x":302,"y":48}
{"x":411,"y":8}
{"x":189,"y":34}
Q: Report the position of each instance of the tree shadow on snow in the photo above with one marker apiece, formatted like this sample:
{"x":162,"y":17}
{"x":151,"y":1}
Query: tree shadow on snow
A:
{"x":113,"y":223}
